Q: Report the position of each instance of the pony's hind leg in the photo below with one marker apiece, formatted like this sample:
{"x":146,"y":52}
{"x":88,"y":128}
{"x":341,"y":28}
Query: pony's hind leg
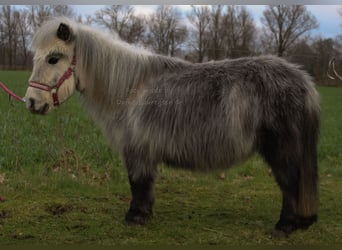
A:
{"x":141,"y":174}
{"x":284,"y":155}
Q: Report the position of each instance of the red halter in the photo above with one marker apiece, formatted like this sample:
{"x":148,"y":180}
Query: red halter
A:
{"x":54,"y":89}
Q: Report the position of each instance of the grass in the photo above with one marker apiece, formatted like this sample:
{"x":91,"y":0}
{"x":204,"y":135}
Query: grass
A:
{"x":62,"y":185}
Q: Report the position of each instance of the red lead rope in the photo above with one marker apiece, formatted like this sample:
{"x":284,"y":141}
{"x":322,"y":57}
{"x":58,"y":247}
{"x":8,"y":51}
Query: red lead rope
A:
{"x":11,"y":93}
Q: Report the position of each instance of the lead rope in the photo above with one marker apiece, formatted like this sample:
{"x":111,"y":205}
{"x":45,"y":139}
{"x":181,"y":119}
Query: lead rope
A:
{"x":11,"y":93}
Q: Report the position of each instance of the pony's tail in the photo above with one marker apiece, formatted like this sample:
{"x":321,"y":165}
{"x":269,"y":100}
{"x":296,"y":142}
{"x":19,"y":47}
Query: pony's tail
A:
{"x":307,"y":206}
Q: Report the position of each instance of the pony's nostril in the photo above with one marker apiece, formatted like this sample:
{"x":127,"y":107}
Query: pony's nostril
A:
{"x":31,"y":102}
{"x":44,"y":109}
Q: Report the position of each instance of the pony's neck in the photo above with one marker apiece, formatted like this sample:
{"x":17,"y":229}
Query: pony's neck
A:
{"x":110,"y":69}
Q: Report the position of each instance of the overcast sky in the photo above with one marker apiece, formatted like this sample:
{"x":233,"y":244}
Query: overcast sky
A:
{"x":329,"y":19}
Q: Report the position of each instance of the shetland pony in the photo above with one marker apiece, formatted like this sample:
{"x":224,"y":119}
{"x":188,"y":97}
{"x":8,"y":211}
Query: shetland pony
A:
{"x":203,"y":116}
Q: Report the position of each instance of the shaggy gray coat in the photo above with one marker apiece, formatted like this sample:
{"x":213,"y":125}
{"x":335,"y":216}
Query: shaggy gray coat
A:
{"x":204,"y":116}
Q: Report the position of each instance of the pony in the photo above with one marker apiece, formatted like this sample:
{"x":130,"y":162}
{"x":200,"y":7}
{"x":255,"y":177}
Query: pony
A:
{"x":201,"y":116}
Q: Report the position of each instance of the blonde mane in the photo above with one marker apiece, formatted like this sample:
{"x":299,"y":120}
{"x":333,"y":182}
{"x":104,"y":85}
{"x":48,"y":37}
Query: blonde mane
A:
{"x":111,"y":69}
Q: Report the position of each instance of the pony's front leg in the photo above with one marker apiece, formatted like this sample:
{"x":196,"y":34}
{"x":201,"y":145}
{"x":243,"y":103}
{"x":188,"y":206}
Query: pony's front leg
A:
{"x":140,"y":210}
{"x":141,"y":174}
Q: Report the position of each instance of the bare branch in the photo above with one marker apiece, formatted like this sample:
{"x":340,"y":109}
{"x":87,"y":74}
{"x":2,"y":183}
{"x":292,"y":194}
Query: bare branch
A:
{"x":286,"y":24}
{"x":329,"y":67}
{"x":335,"y":72}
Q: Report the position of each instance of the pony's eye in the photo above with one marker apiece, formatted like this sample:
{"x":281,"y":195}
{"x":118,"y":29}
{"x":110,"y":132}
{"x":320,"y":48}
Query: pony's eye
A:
{"x":53,"y":60}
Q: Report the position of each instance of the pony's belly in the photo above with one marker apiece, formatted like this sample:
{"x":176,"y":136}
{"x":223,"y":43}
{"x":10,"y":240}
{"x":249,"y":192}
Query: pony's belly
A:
{"x":204,"y":157}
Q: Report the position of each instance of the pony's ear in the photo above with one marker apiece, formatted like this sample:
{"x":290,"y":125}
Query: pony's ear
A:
{"x":64,"y":32}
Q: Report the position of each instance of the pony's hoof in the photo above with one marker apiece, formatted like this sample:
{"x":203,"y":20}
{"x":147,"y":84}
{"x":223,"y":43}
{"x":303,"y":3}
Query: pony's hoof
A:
{"x":137,"y":217}
{"x":278,"y":234}
{"x":306,"y":222}
{"x":285,"y":227}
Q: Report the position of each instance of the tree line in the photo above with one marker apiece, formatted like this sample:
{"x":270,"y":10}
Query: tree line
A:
{"x":202,"y":34}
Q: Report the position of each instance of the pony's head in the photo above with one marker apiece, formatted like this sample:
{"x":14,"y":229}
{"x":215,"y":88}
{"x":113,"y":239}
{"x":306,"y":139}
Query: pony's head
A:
{"x":53,"y":78}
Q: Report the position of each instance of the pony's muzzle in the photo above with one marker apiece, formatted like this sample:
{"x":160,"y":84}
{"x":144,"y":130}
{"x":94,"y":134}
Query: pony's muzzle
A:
{"x":31,"y":104}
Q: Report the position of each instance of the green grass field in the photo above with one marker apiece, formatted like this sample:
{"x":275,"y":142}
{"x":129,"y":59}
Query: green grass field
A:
{"x":62,"y":185}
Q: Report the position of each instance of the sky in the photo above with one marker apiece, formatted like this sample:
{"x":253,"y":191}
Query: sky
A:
{"x":327,"y":15}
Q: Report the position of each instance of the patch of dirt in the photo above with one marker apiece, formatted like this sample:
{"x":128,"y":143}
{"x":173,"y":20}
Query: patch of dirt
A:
{"x":4,"y":214}
{"x":77,"y":227}
{"x":21,"y":236}
{"x":58,"y":209}
{"x":3,"y":178}
{"x":70,"y":163}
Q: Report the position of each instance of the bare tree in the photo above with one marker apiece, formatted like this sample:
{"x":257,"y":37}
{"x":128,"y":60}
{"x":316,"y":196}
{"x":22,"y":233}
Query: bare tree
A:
{"x":63,"y":10}
{"x":9,"y":34}
{"x":2,"y":38}
{"x":39,"y":13}
{"x":285,"y":24}
{"x":23,"y":32}
{"x":16,"y":28}
{"x":166,"y":32}
{"x":87,"y":20}
{"x":339,"y":11}
{"x":200,"y":19}
{"x":302,"y":53}
{"x":216,"y":33}
{"x":239,"y":32}
{"x":121,"y":19}
{"x":230,"y":31}
{"x":325,"y":50}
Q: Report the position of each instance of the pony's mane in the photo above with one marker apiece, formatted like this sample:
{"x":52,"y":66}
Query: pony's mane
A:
{"x":105,"y":63}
